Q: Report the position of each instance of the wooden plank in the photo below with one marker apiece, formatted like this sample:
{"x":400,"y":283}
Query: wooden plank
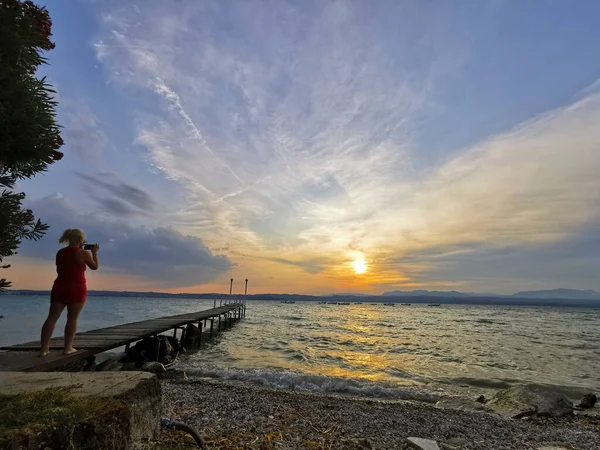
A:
{"x":116,"y":336}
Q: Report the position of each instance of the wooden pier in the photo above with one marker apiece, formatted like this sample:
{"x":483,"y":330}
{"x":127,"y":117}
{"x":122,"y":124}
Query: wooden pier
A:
{"x":97,"y":341}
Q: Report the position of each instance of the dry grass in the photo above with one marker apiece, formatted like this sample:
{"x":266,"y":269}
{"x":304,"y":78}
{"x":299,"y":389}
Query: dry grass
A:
{"x":52,"y":415}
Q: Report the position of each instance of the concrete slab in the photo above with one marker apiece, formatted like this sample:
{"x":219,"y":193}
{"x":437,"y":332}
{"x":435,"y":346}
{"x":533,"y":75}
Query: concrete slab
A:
{"x":30,"y":361}
{"x":140,"y":391}
{"x":104,"y":384}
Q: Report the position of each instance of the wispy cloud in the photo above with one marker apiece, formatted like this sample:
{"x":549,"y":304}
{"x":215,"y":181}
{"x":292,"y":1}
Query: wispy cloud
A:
{"x":291,"y":128}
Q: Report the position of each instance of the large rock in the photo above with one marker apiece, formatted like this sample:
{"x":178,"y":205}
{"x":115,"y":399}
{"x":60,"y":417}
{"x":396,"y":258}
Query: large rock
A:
{"x":530,"y":400}
{"x":192,"y":335}
{"x":157,"y":348}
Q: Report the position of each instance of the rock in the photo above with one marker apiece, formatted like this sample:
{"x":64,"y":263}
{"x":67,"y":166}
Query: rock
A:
{"x":157,"y":348}
{"x":530,"y":400}
{"x":480,"y":399}
{"x":127,"y":366}
{"x":176,"y":348}
{"x":109,"y":364}
{"x":192,"y":334}
{"x":422,"y":444}
{"x":461,"y":404}
{"x":155,"y":368}
{"x":587,"y":401}
{"x":455,"y":443}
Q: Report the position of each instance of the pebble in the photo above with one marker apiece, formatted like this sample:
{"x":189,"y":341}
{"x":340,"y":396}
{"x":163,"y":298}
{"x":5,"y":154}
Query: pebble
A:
{"x":553,"y":447}
{"x":454,"y":443}
{"x":237,"y":416}
{"x":422,"y":444}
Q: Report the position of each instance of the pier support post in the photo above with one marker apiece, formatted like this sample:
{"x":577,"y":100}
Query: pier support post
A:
{"x":182,"y":341}
{"x":212,"y":321}
{"x":200,"y":335}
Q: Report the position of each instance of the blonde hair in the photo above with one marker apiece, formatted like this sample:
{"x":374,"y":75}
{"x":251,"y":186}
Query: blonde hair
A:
{"x":71,"y":236}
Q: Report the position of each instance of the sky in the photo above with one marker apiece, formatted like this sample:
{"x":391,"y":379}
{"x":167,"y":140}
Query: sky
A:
{"x":324,"y":146}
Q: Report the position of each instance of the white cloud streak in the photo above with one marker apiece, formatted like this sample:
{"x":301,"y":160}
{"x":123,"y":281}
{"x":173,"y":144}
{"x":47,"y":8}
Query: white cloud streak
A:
{"x":292,"y":130}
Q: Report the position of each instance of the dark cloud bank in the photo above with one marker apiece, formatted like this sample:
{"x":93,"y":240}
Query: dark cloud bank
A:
{"x":162,"y":255}
{"x":117,"y":197}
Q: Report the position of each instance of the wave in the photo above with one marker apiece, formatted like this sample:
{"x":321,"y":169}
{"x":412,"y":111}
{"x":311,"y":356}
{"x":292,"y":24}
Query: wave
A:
{"x":480,"y":382}
{"x":280,"y":379}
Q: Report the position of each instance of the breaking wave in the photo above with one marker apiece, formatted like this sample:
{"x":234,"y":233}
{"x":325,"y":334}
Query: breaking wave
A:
{"x":281,"y":379}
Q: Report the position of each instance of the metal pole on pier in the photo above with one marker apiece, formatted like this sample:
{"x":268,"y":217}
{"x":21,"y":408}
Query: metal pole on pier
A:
{"x":230,"y":288}
{"x":245,"y":296}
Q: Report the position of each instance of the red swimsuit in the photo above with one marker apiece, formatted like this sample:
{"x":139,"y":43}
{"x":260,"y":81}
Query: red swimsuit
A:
{"x":70,"y":285}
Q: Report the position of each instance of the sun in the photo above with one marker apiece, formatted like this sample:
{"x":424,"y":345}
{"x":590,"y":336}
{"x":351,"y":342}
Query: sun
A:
{"x":359,"y":266}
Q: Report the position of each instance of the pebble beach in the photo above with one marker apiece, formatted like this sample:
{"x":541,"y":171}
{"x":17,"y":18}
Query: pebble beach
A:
{"x":234,"y":415}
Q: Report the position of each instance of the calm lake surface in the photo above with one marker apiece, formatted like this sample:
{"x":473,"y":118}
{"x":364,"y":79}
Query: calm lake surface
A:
{"x":365,"y":349}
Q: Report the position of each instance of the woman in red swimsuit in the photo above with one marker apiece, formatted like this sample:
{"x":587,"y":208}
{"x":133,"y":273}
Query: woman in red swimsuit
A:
{"x":70,"y":288}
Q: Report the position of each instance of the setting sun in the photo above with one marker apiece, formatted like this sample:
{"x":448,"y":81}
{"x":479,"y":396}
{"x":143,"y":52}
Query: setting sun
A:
{"x":359,"y":266}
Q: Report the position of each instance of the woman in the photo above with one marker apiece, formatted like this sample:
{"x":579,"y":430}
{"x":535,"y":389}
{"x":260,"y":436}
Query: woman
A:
{"x":70,"y":288}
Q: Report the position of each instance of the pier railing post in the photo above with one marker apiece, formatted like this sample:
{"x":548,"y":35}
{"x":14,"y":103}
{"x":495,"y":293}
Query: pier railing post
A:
{"x":245,"y":296}
{"x":200,"y":335}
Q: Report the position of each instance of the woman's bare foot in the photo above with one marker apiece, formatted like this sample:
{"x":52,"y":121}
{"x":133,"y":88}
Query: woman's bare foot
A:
{"x":68,"y":351}
{"x":44,"y":353}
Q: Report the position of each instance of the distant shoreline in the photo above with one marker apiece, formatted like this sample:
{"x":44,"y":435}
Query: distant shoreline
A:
{"x":412,"y":299}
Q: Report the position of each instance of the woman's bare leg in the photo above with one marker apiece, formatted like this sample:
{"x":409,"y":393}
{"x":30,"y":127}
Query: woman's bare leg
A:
{"x":73,"y":310}
{"x":56,"y":310}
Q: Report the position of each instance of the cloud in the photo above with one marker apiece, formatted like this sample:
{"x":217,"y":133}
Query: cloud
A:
{"x":253,"y":129}
{"x":82,"y":130}
{"x":291,"y":129}
{"x":483,"y":267}
{"x":160,"y":254}
{"x":123,"y":199}
{"x":311,"y":266}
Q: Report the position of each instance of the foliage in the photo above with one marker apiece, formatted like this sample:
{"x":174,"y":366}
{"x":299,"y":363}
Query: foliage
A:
{"x":29,"y":135}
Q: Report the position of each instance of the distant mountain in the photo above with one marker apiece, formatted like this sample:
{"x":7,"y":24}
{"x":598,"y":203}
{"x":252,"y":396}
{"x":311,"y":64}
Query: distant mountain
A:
{"x":349,"y":294}
{"x":421,"y":293}
{"x":564,"y":294}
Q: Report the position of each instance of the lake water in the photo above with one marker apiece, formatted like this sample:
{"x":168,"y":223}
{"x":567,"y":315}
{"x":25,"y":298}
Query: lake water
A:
{"x":367,"y":349}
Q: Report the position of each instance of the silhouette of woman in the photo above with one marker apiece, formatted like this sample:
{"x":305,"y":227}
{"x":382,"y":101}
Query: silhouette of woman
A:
{"x":70,"y":289}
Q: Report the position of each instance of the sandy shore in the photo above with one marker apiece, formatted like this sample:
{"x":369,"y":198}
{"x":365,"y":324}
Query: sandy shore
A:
{"x":235,"y":415}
